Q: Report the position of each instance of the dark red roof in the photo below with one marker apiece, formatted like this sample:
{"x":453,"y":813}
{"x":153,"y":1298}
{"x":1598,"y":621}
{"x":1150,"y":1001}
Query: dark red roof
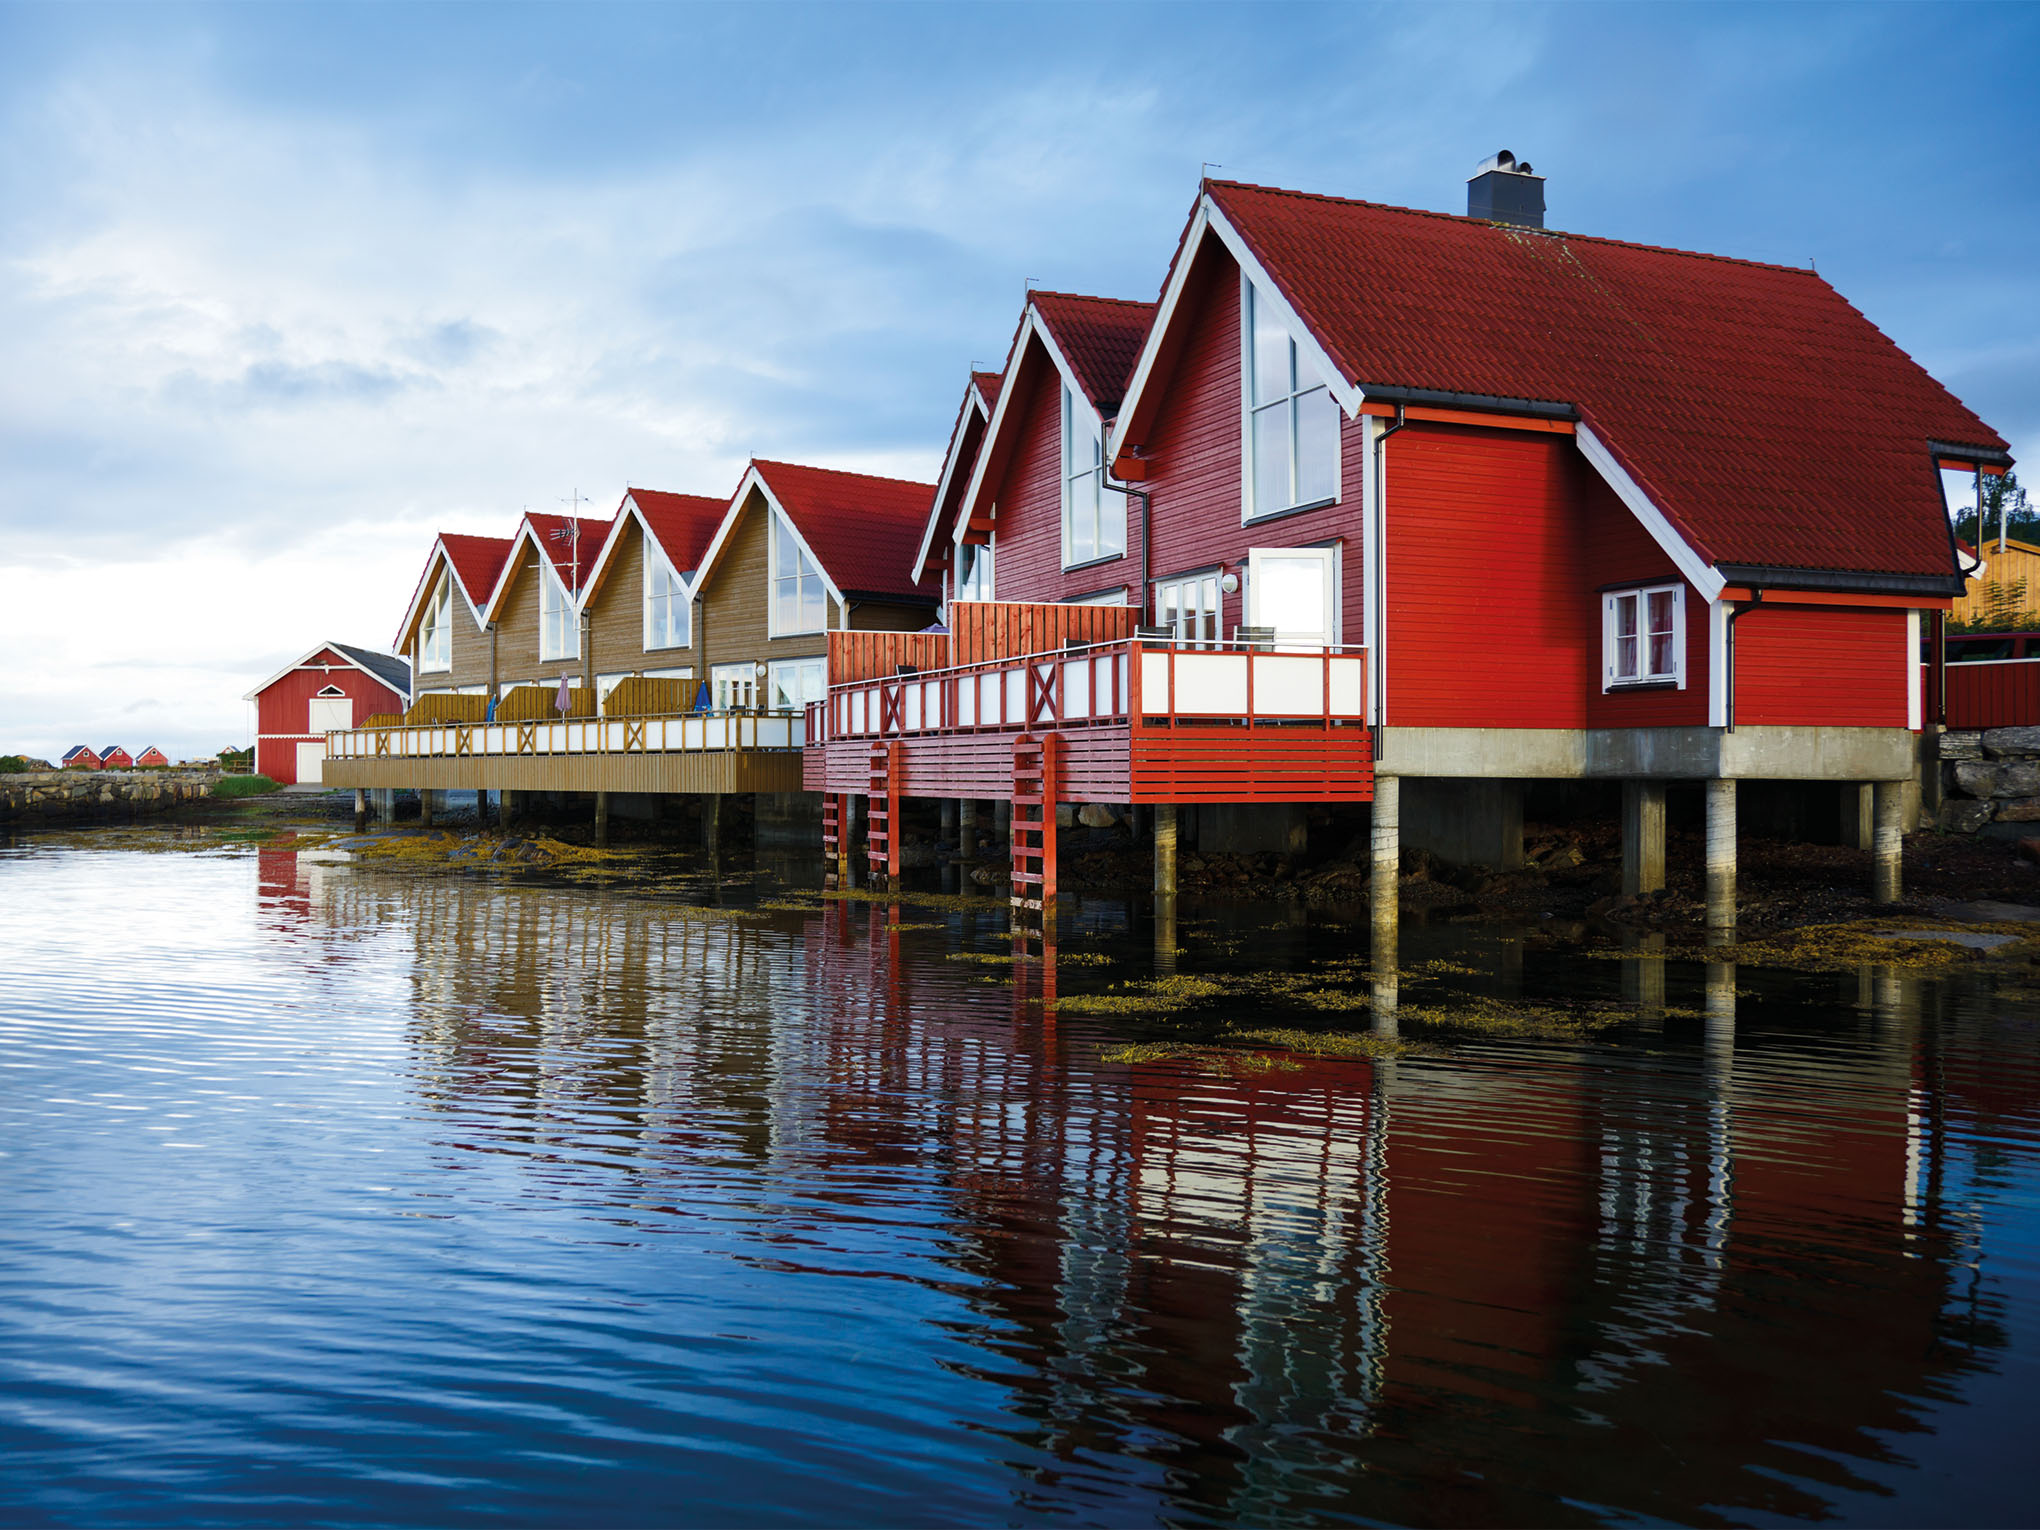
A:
{"x":987,"y":384}
{"x":476,"y":562}
{"x":1770,"y":421}
{"x":550,"y":532}
{"x":1099,"y":337}
{"x":682,"y":524}
{"x":866,"y":530}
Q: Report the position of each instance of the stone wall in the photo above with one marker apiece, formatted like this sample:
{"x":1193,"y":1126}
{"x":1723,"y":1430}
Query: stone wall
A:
{"x":1990,"y":782}
{"x":47,"y":796}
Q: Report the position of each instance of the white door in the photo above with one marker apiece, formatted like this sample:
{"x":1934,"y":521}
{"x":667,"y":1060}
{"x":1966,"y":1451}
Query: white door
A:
{"x":735,"y":686}
{"x":311,"y":763}
{"x":1295,"y":590}
{"x":330,"y":712}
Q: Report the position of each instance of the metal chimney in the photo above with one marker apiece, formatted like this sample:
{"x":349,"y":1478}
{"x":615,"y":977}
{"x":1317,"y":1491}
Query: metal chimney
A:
{"x":1505,"y":191}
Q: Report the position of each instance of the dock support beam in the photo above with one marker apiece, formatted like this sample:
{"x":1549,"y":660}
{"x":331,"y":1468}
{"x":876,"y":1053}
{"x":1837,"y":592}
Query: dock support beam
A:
{"x":602,"y":820}
{"x":711,"y":822}
{"x":966,"y":829}
{"x":1384,"y":899}
{"x":1887,"y":848}
{"x":506,"y":808}
{"x":425,"y":808}
{"x":949,"y":818}
{"x":1165,"y":849}
{"x":1859,"y":815}
{"x":1720,"y":857}
{"x":360,"y":810}
{"x":1643,"y":837}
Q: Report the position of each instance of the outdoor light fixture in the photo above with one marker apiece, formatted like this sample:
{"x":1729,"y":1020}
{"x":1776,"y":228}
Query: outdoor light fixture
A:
{"x":1230,"y":584}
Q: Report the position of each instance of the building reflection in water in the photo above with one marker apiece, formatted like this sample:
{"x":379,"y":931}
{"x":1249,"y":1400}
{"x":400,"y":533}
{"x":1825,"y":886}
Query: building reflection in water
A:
{"x":1706,"y":1268}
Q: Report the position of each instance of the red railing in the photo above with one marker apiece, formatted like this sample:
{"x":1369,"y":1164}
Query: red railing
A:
{"x":1991,"y":693}
{"x":1105,"y":683}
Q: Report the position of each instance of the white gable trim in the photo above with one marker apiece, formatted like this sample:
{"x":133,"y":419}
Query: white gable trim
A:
{"x":428,"y":584}
{"x":973,"y":403}
{"x":507,"y":576}
{"x":753,"y":479}
{"x":312,"y":653}
{"x":1702,"y":575}
{"x":1032,"y":325}
{"x":1347,"y":392}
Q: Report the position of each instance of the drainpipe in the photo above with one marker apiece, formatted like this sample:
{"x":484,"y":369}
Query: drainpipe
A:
{"x":1146,"y":535}
{"x":1377,"y":577}
{"x":1736,"y":609}
{"x":492,"y":660}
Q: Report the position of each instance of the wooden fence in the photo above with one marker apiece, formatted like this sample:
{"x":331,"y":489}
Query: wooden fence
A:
{"x":1991,"y":693}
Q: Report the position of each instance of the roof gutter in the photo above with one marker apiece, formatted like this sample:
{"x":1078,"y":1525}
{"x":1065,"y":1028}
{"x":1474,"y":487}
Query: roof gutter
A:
{"x":1545,"y":409}
{"x":1859,"y":582}
{"x":1969,"y":453}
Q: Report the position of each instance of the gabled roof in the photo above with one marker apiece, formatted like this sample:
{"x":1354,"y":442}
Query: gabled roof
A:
{"x":111,"y":750}
{"x":377,"y":665}
{"x":474,"y":561}
{"x":1769,"y":424}
{"x":965,"y":438}
{"x":552,"y":536}
{"x":860,"y":529}
{"x":77,"y":750}
{"x":1092,"y":342}
{"x":1100,"y":338}
{"x":386,"y":667}
{"x":681,"y":525}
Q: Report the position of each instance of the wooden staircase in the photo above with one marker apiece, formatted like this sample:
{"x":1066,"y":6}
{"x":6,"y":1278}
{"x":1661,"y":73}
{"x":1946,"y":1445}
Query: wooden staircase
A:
{"x":881,"y":830}
{"x":1037,"y":778}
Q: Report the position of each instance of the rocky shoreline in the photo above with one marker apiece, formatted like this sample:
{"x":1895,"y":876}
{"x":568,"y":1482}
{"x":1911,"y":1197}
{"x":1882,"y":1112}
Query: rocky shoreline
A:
{"x":67,"y":796}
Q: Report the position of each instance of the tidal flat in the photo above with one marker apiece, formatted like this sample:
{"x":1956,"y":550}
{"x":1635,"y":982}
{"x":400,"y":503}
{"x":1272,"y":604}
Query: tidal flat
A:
{"x":407,"y":1179}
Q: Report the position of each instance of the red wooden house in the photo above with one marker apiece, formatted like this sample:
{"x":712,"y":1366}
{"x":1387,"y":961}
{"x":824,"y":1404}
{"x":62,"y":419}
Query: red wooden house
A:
{"x":1456,"y":503}
{"x":335,"y":685}
{"x":80,"y":757}
{"x":965,"y":569}
{"x":113,"y":757}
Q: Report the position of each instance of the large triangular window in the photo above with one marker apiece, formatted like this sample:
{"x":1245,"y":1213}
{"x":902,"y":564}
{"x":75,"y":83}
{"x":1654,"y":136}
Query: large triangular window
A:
{"x":1292,"y":445}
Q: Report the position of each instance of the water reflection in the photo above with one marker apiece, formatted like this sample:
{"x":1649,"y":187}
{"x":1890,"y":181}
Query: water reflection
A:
{"x":1735,"y":1262}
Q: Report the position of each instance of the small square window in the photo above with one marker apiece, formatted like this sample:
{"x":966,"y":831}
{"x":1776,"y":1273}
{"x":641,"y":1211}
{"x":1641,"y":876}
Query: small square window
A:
{"x":1643,"y":637}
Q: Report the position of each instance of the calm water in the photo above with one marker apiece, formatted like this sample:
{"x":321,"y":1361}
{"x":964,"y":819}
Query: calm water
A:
{"x":355,"y":1197}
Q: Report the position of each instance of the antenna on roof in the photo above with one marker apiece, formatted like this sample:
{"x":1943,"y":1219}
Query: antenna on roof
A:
{"x":1204,"y":171}
{"x":571,"y":534}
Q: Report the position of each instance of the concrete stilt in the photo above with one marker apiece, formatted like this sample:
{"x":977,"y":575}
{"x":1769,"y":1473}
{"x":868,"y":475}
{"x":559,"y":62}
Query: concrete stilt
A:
{"x":711,"y":822}
{"x":966,"y":829}
{"x":1384,"y":895}
{"x":1887,"y":848}
{"x":949,"y":820}
{"x":1718,"y":1048}
{"x":1165,"y":849}
{"x":1002,"y":820}
{"x":1859,"y":815}
{"x":1643,"y":837}
{"x":385,"y":800}
{"x":1720,"y":858}
{"x":506,"y":805}
{"x":602,"y":819}
{"x":360,"y":810}
{"x":425,"y":808}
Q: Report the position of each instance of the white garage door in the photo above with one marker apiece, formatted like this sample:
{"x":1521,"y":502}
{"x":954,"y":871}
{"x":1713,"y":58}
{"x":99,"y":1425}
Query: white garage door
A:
{"x":311,"y":761}
{"x":330,"y":712}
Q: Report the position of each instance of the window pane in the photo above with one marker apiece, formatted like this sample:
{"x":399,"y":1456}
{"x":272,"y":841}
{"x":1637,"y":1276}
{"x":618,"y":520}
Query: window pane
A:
{"x":1292,"y":595}
{"x":1271,"y":459}
{"x":1111,"y":522}
{"x":1271,"y":352}
{"x":1661,"y":611}
{"x":1317,"y":446}
{"x":1625,"y":616}
{"x":1083,"y":500}
{"x":812,"y":618}
{"x":1625,"y":657}
{"x":1661,"y":660}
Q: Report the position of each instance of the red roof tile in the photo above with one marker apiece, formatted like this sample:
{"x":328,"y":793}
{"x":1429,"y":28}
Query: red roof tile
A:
{"x":1769,"y":420}
{"x":1099,"y":337}
{"x":683,"y":524}
{"x":551,"y":533}
{"x":987,"y":384}
{"x":865,"y":530}
{"x":476,"y":562}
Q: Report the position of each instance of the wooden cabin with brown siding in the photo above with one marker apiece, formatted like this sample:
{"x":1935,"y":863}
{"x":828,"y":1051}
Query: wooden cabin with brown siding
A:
{"x":442,"y":633}
{"x":803,"y":552}
{"x":536,"y":605}
{"x":637,"y":601}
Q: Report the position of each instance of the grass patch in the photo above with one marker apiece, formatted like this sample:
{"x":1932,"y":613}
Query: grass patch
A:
{"x":13,"y":764}
{"x":245,"y":786}
{"x":1858,"y":943}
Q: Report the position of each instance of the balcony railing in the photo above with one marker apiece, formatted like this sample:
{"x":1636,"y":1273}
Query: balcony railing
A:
{"x":1150,"y":684}
{"x":695,"y":732}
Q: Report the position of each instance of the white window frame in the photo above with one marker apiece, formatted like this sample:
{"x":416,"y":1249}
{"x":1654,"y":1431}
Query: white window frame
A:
{"x":806,"y":566}
{"x":1288,"y":402}
{"x":679,"y":598}
{"x":741,"y":677}
{"x":776,"y":668}
{"x":1198,"y":621}
{"x":984,"y":569}
{"x":435,"y":632}
{"x":1083,"y":486}
{"x":1332,"y":556}
{"x":1643,"y":679}
{"x":555,"y":604}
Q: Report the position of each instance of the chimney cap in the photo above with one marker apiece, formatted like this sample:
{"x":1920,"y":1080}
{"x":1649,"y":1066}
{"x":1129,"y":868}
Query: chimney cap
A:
{"x":1505,"y":162}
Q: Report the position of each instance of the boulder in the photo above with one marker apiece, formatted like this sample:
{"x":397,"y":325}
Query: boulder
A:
{"x":1095,"y":815}
{"x":2017,"y":809}
{"x":1960,"y":817}
{"x":1976,"y":778}
{"x":2029,"y":849}
{"x":1999,"y":742}
{"x":1955,"y":745}
{"x":2018,"y":778}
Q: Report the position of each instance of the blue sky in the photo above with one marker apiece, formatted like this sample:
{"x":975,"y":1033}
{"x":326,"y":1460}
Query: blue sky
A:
{"x":288,"y":288}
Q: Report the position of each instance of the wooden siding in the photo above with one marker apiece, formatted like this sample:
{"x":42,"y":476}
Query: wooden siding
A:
{"x":881,"y":616}
{"x":616,"y":614}
{"x":731,"y":613}
{"x":730,"y":770}
{"x":1822,"y":665}
{"x":982,"y":631}
{"x":517,"y":660}
{"x":1615,"y":549}
{"x":1991,"y":693}
{"x":1195,"y":459}
{"x":2009,"y":590}
{"x":868,"y":655}
{"x":284,"y":708}
{"x":470,"y":643}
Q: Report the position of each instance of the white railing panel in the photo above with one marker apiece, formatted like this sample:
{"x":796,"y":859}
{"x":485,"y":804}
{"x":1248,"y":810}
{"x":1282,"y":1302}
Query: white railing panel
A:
{"x":1076,"y":680}
{"x":1211,"y":684}
{"x":859,"y":711}
{"x":1154,"y":682}
{"x":1016,"y":696}
{"x":1349,"y":685}
{"x":967,"y":702}
{"x":911,"y":712}
{"x":1123,"y":664}
{"x":1288,"y":687}
{"x":931,"y":704}
{"x":991,"y":707}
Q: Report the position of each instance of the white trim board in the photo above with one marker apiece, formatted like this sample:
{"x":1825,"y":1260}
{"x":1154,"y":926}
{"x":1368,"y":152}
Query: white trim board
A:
{"x":304,"y":662}
{"x":754,"y":479}
{"x":1702,"y":575}
{"x":973,"y":403}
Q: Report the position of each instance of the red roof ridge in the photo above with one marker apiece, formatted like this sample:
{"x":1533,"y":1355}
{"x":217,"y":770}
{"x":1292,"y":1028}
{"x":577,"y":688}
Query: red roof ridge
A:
{"x":1088,"y":297}
{"x":809,"y":467}
{"x":1512,"y":228}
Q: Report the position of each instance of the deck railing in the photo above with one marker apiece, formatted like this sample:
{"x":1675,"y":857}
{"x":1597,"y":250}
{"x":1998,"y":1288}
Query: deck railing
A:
{"x":1154,"y":684}
{"x":694,"y":732}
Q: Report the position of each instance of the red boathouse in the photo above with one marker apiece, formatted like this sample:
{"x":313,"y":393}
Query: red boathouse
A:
{"x":335,"y":685}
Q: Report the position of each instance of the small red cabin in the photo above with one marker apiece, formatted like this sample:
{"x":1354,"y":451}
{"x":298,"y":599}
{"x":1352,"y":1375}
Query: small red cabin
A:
{"x":336,"y":685}
{"x":113,"y":757}
{"x":152,"y":757}
{"x":79,"y":757}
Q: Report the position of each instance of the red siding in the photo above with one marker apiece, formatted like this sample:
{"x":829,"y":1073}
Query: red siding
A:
{"x":1822,"y":665}
{"x":1194,"y":452}
{"x":2000,"y":693}
{"x":284,"y":709}
{"x":1028,"y":562}
{"x":1615,"y":549}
